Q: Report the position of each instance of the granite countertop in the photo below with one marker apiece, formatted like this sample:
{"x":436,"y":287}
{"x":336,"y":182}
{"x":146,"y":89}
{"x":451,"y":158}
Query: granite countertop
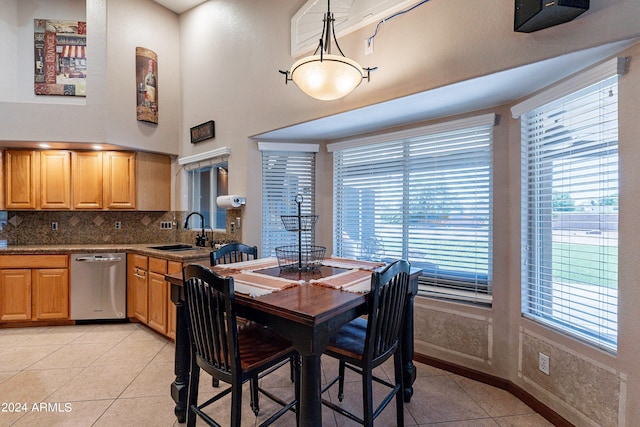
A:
{"x":196,"y":253}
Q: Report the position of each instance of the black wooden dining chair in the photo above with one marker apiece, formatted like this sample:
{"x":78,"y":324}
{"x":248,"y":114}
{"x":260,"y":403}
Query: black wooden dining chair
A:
{"x":232,"y":352}
{"x":234,"y":252}
{"x":229,"y":254}
{"x":365,"y":343}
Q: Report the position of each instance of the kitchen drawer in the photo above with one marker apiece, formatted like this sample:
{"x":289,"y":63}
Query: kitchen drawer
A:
{"x":34,"y":261}
{"x":158,"y":265}
{"x":139,"y":261}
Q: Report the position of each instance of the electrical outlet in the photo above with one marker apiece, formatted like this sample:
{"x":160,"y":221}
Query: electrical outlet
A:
{"x":118,"y":225}
{"x":368,"y":46}
{"x":54,"y":226}
{"x":232,"y":227}
{"x":543,"y":363}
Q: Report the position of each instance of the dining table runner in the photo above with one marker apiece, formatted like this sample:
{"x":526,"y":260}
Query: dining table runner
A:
{"x":350,"y":281}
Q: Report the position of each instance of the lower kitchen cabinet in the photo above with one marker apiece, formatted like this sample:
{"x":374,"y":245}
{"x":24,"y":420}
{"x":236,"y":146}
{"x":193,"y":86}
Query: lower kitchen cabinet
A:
{"x":149,"y":300}
{"x":138,"y":287}
{"x":172,"y":267}
{"x":30,"y":290}
{"x":157,"y":295}
{"x":15,"y":294}
{"x":50,"y":295}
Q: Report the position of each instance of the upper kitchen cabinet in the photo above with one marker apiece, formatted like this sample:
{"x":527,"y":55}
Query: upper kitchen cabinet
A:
{"x":55,"y":179}
{"x":122,"y":180}
{"x":153,"y":182}
{"x":119,"y":180}
{"x":21,"y":178}
{"x":139,"y":181}
{"x":38,"y":179}
{"x":87,"y":179}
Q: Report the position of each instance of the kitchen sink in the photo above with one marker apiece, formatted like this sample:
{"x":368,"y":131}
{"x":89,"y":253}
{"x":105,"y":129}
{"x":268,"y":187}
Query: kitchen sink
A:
{"x":178,"y":247}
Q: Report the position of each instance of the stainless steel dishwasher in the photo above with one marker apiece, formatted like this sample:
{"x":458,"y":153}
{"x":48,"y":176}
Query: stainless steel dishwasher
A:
{"x":98,"y":286}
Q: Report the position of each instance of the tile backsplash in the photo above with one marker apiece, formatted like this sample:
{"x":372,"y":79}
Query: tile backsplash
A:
{"x":98,"y":227}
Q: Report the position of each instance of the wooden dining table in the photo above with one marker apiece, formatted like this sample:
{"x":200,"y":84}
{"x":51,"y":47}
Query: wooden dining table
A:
{"x":307,"y":314}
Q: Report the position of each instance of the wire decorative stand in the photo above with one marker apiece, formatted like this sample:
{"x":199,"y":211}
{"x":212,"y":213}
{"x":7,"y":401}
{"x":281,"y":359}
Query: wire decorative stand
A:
{"x":300,"y":258}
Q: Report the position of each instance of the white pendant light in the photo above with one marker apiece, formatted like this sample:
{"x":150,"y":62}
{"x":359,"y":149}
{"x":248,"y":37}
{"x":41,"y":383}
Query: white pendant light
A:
{"x":323,"y":75}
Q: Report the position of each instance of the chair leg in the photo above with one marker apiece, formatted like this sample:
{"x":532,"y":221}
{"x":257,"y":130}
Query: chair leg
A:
{"x":236,"y":405}
{"x":292,"y":368}
{"x":255,"y":403}
{"x":192,"y":400}
{"x":341,"y":381}
{"x":295,"y":364}
{"x":367,"y":398}
{"x":397,"y":362}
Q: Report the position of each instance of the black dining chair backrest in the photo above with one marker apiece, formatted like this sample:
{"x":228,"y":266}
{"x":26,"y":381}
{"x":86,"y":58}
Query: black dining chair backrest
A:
{"x":213,"y":324}
{"x":389,"y":291}
{"x":230,"y":351}
{"x":234,"y":252}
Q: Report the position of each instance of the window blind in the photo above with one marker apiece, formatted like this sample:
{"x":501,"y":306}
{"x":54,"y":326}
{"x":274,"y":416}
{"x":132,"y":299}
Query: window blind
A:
{"x":570,"y":213}
{"x":285,"y":174}
{"x":425,"y":198}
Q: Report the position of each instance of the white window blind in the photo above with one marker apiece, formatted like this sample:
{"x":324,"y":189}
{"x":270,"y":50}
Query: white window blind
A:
{"x":285,"y":174}
{"x":425,"y":197}
{"x":570,"y":213}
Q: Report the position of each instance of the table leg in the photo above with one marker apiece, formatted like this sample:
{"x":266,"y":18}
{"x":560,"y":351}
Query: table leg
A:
{"x":310,"y":399}
{"x":180,"y":386}
{"x":408,"y":368}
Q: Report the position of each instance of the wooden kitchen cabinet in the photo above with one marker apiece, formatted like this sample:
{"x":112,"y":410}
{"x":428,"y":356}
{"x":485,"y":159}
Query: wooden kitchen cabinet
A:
{"x":34,"y":287}
{"x":157,"y":295}
{"x":15,"y":295}
{"x":50,"y":297}
{"x":55,"y":179}
{"x":148,"y":292}
{"x":87,"y":179}
{"x":95,"y":180}
{"x":138,"y":285}
{"x":21,"y":177}
{"x":38,"y":179}
{"x":172,"y":267}
{"x":119,"y":179}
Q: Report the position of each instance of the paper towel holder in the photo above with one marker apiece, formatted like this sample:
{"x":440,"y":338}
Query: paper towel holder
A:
{"x":230,"y":201}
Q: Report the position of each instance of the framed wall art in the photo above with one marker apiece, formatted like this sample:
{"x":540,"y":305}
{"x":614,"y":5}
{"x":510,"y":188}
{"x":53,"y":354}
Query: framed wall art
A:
{"x":60,"y":56}
{"x":147,"y":85}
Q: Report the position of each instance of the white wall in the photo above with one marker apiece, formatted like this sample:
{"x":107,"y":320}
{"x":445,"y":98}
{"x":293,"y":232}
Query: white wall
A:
{"x":107,"y":114}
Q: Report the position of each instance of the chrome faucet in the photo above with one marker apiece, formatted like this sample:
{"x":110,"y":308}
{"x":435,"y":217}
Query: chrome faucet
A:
{"x":201,"y":240}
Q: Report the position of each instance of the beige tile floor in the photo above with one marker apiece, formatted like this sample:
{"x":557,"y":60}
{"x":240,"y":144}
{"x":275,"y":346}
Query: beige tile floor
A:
{"x":120,"y":375}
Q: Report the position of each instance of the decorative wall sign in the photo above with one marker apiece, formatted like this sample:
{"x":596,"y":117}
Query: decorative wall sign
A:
{"x":60,"y":54}
{"x":204,"y":131}
{"x":147,"y":85}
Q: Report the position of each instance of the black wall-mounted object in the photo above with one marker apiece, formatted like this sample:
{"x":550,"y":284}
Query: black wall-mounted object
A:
{"x":534,"y":15}
{"x":203,"y":131}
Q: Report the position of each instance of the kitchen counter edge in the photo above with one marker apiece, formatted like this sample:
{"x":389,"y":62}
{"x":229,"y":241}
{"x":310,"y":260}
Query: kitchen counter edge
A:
{"x":196,"y":253}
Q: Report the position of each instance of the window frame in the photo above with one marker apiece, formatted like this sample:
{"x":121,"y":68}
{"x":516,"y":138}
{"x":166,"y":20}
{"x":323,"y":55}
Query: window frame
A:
{"x":300,"y":175}
{"x":435,"y":281}
{"x":548,"y":296}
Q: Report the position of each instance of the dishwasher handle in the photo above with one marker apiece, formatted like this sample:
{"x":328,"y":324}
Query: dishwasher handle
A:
{"x":98,"y":259}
